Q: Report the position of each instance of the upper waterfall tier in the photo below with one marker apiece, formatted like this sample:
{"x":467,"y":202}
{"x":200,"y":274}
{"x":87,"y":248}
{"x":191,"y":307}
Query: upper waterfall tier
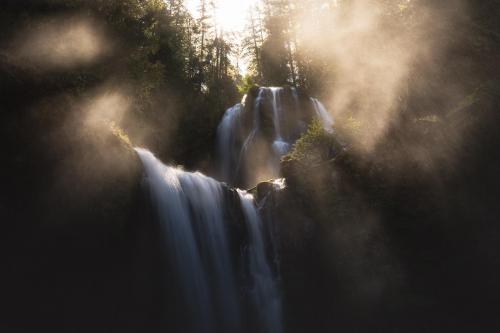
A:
{"x":254,"y":134}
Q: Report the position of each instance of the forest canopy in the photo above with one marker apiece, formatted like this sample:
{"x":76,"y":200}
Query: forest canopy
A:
{"x":177,"y":67}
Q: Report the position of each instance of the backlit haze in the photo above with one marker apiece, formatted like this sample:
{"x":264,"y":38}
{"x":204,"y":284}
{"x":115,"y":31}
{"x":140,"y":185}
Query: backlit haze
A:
{"x":231,"y":17}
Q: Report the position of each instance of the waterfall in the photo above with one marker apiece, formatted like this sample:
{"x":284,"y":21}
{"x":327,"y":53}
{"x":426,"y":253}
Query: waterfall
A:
{"x":264,"y":293}
{"x":277,"y":111}
{"x":190,"y":208}
{"x":250,"y":151}
{"x":280,"y":147}
{"x":226,"y":140}
{"x":323,"y":115}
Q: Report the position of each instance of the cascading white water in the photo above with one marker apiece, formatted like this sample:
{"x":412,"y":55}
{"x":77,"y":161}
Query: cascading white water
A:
{"x":276,"y":92}
{"x":237,"y":138}
{"x":173,"y":211}
{"x":255,"y":128}
{"x":190,"y":208}
{"x":280,"y":146}
{"x":264,"y":293}
{"x":226,"y":140}
{"x":323,"y":115}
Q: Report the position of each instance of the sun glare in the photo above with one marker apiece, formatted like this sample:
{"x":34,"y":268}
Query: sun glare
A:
{"x":231,"y":15}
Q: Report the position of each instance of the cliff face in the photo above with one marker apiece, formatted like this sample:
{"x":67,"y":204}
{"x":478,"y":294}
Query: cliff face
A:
{"x":252,"y":137}
{"x":296,"y":104}
{"x":384,"y":243}
{"x":82,"y":245}
{"x":73,"y":213}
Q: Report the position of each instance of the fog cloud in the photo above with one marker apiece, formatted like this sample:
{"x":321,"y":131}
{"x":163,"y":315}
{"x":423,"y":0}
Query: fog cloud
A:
{"x":59,"y":43}
{"x":374,"y":47}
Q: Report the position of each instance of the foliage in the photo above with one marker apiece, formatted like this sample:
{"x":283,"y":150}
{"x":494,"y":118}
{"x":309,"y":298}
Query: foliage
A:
{"x":245,"y":84}
{"x":315,"y":145}
{"x":177,"y":69}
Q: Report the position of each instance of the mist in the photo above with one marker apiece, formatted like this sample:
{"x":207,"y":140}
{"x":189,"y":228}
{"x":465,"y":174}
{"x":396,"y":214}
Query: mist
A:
{"x":379,"y":53}
{"x":59,"y":42}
